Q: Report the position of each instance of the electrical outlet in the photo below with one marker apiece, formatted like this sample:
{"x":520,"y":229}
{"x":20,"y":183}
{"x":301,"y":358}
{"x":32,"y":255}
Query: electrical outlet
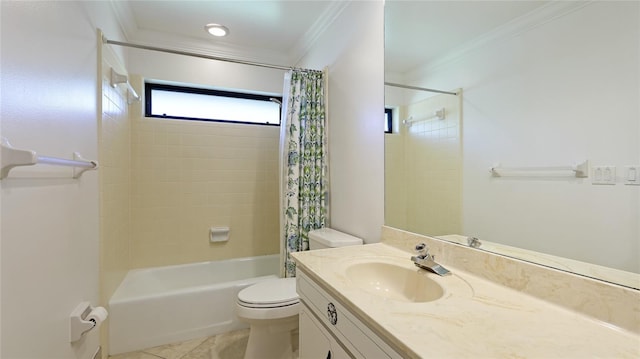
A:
{"x":632,"y":175}
{"x":604,"y":175}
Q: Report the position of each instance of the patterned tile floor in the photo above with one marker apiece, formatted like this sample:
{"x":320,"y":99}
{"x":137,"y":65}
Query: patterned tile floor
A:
{"x":223,"y":346}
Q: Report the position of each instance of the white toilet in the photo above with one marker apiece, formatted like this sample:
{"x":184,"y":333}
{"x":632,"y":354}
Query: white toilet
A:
{"x":271,"y":307}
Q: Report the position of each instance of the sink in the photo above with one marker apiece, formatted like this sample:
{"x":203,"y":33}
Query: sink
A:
{"x":394,"y":282}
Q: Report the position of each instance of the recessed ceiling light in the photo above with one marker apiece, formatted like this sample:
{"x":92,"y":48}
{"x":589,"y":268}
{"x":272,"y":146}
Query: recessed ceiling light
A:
{"x":216,"y":30}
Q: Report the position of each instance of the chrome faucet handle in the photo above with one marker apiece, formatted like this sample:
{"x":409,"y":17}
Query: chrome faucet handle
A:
{"x":422,"y":250}
{"x":426,"y":261}
{"x":473,"y":242}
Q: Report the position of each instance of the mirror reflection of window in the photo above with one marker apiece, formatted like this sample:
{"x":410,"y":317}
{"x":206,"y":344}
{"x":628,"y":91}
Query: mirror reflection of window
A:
{"x":388,"y":120}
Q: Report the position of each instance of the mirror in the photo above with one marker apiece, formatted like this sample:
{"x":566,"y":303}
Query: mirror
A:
{"x":548,"y":97}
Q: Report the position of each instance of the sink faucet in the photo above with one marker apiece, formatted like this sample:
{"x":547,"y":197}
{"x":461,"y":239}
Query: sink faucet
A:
{"x":426,"y":261}
{"x":473,"y":242}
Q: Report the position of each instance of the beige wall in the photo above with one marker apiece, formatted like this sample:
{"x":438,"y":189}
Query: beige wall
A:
{"x":423,"y":170}
{"x":188,"y":176}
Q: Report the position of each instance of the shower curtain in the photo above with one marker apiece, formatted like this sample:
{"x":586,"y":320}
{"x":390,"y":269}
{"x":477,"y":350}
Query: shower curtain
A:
{"x":303,"y":162}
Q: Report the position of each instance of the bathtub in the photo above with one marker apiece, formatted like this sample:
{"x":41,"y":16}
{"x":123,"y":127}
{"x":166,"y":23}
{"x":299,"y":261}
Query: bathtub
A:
{"x":162,"y":305}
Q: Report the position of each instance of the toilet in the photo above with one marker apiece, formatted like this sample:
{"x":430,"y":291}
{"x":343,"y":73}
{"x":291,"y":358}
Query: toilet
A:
{"x":271,"y":307}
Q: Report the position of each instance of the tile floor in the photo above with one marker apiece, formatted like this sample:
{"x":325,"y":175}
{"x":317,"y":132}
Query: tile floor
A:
{"x":223,"y":346}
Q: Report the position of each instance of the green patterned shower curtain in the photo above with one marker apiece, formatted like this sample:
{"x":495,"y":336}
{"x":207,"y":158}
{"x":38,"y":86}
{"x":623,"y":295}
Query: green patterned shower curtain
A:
{"x":303,"y":162}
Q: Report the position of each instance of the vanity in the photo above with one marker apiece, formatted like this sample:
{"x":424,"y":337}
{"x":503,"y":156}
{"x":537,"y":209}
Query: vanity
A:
{"x":372,"y":302}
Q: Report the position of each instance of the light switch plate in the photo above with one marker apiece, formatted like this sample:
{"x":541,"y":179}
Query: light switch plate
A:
{"x":604,"y":175}
{"x":632,"y":175}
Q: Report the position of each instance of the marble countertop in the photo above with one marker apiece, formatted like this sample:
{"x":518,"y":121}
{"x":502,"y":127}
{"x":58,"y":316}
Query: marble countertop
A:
{"x":476,"y":318}
{"x":631,"y":280}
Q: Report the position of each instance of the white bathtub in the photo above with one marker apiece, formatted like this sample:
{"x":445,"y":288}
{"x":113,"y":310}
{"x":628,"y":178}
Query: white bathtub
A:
{"x":162,"y":305}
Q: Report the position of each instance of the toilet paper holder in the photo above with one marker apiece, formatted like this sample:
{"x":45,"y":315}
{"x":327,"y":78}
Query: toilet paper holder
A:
{"x":83,"y":319}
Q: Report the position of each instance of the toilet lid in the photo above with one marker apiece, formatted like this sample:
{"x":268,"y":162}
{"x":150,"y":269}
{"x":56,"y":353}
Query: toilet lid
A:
{"x":270,"y":293}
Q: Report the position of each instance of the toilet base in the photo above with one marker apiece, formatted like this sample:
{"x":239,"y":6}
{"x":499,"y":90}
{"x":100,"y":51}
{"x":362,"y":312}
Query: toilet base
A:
{"x":271,"y":340}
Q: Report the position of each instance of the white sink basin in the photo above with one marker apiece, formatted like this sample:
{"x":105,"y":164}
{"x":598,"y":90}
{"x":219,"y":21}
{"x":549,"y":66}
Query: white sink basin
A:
{"x":394,"y":282}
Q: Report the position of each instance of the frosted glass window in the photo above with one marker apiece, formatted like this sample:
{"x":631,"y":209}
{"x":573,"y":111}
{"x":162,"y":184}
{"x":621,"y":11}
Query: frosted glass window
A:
{"x":187,"y":103}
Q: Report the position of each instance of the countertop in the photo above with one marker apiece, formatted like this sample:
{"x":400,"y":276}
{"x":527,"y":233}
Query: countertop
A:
{"x":476,"y":318}
{"x":629,"y":279}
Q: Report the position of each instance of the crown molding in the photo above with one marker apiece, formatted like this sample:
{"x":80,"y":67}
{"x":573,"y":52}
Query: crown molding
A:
{"x":189,"y":44}
{"x":306,"y":41}
{"x":515,"y":27}
{"x":128,"y":25}
{"x":125,"y":18}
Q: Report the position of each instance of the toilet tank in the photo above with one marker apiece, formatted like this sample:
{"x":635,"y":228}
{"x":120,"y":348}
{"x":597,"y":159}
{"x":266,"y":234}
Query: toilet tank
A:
{"x":330,"y":238}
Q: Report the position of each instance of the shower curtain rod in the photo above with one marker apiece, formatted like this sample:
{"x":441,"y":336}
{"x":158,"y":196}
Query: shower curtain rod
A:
{"x":193,"y":54}
{"x":420,"y":88}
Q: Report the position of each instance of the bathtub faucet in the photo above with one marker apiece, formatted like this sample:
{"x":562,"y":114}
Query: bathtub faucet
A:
{"x":426,"y":261}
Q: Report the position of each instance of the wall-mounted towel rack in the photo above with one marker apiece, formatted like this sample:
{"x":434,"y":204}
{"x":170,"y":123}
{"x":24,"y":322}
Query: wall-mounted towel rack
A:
{"x":580,"y":170}
{"x":439,"y":114}
{"x":117,"y":78}
{"x":13,"y":157}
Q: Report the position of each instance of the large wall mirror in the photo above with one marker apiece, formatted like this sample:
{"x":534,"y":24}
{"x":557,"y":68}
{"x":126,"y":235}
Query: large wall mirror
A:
{"x":537,"y":153}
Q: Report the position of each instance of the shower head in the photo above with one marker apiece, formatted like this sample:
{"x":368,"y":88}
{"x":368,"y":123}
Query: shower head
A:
{"x":273,"y":99}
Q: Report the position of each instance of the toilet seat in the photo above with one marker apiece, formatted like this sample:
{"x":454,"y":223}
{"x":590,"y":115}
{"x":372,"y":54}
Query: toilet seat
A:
{"x":274,"y":293}
{"x":270,"y":299}
{"x":272,"y":307}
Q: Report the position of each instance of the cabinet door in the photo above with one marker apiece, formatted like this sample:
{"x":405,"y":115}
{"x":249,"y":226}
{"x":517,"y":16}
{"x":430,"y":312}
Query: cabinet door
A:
{"x":314,"y":344}
{"x":315,"y":341}
{"x":354,"y":337}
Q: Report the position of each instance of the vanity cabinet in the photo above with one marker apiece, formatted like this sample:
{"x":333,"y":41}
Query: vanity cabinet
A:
{"x":316,"y":342}
{"x":329,"y":330}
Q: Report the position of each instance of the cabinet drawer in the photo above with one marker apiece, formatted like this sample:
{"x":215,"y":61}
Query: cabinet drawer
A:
{"x":359,"y":340}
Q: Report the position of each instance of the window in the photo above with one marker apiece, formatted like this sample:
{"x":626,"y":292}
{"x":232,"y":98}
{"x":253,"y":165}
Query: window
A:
{"x":188,"y":103}
{"x":388,"y":120}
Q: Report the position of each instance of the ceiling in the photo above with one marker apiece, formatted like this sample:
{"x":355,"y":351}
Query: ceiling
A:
{"x":265,"y":30}
{"x":280,"y":31}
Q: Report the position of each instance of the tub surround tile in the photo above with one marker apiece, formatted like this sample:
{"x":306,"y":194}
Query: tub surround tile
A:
{"x":187,"y":177}
{"x":115,"y":184}
{"x":496,"y":320}
{"x":439,"y":170}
